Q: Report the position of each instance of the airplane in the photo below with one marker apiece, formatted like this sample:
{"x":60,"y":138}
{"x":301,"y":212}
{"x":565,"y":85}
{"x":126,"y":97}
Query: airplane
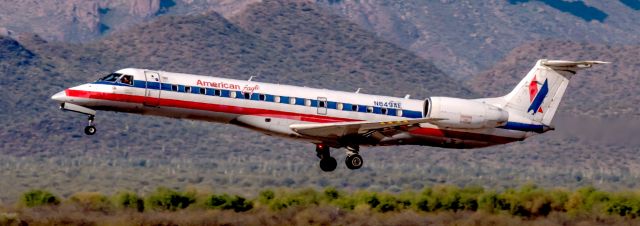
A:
{"x":333,"y":119}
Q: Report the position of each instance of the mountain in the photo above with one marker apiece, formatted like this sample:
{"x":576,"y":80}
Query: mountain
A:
{"x":467,"y":37}
{"x":208,"y":44}
{"x":462,"y":38}
{"x":602,"y":91}
{"x":88,"y":20}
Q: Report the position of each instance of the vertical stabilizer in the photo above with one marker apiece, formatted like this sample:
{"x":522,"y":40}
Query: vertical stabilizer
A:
{"x":538,"y":95}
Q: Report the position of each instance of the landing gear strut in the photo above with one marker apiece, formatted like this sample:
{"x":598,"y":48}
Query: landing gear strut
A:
{"x":90,"y":129}
{"x":353,"y":160}
{"x":327,"y":163}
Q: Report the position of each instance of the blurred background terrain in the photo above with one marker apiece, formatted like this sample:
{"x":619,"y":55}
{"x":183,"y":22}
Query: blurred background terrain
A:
{"x":423,"y":48}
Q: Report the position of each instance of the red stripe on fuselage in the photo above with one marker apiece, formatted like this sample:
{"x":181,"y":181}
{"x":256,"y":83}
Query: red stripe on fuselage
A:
{"x":433,"y":132}
{"x":207,"y":106}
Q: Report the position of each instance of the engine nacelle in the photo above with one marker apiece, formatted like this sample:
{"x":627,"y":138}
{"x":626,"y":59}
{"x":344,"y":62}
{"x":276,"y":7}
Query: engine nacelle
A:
{"x":465,"y":114}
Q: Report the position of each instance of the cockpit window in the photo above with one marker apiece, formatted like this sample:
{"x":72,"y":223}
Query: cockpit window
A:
{"x":127,"y":79}
{"x":111,"y":77}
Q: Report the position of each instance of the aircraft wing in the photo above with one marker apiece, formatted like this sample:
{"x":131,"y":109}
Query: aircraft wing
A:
{"x":340,"y":129}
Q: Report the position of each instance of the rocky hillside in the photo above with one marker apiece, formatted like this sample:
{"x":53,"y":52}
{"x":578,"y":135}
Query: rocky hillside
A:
{"x":84,"y":21}
{"x":461,"y":37}
{"x":603,"y":91}
{"x":466,"y":37}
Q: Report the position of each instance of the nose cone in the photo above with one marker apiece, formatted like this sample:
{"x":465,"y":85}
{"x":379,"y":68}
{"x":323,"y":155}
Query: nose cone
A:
{"x":60,"y":96}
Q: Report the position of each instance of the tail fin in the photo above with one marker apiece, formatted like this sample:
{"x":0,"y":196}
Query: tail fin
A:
{"x":538,"y":95}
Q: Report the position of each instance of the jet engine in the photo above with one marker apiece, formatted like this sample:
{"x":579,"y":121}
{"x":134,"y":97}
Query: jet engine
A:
{"x":464,"y":114}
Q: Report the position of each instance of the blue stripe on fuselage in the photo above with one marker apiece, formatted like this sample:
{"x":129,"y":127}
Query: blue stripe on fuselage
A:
{"x":523,"y":127}
{"x":283,"y":99}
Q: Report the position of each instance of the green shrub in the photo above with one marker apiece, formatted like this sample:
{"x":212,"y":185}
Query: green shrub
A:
{"x":227,"y":202}
{"x":168,"y":199}
{"x":331,"y":193}
{"x":94,"y":201}
{"x":425,"y":203}
{"x":297,"y":198}
{"x":129,"y":200}
{"x":624,"y":205}
{"x":559,"y":199}
{"x":369,"y":198}
{"x":35,"y":198}
{"x":387,"y":203}
{"x":529,"y":201}
{"x":266,"y":196}
{"x":488,"y":202}
{"x":285,"y":202}
{"x":585,"y":200}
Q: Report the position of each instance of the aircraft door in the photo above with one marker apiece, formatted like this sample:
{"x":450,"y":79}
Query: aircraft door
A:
{"x":322,"y":105}
{"x":153,"y":87}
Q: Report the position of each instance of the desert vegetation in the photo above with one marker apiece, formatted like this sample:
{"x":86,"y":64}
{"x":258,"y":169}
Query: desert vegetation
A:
{"x":443,"y":204}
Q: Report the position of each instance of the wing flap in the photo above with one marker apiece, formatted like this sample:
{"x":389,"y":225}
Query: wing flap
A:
{"x":340,"y":129}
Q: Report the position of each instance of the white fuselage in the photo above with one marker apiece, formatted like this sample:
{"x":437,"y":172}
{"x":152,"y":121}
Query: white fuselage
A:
{"x":272,"y":108}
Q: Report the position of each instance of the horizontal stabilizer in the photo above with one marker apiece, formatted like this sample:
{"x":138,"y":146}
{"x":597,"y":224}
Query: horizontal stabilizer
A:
{"x":568,"y":63}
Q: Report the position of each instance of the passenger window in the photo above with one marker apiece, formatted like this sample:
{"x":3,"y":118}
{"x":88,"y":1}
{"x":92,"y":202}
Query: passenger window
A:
{"x":369,"y":109}
{"x":354,"y":107}
{"x":127,"y":79}
{"x":322,"y":104}
{"x":399,"y":112}
{"x":187,"y":89}
{"x":262,"y":97}
{"x":276,"y":99}
{"x":174,"y":88}
{"x":383,"y":111}
{"x":247,"y":96}
{"x":307,"y":102}
{"x":339,"y":106}
{"x":232,"y":94}
{"x":202,"y":90}
{"x":216,"y":92}
{"x":292,"y":100}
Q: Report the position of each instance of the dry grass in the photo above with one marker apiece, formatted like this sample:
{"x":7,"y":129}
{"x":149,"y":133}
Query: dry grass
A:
{"x":316,"y":215}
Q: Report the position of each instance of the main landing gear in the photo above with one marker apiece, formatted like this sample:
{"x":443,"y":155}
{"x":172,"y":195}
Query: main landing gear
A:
{"x":90,"y":129}
{"x":353,"y":160}
{"x":328,"y":163}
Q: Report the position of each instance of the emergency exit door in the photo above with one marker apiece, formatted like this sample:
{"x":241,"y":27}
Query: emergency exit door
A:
{"x":322,"y":105}
{"x":153,"y":87}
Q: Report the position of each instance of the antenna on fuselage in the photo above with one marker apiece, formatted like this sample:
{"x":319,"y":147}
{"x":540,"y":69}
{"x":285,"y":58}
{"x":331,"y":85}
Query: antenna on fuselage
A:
{"x":358,"y":91}
{"x":251,"y":77}
{"x":407,"y":96}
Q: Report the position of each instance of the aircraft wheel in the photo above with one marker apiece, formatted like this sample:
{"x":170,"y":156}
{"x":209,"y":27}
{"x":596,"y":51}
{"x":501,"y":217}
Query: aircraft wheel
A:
{"x":90,"y":130}
{"x":328,"y":164}
{"x":354,"y":161}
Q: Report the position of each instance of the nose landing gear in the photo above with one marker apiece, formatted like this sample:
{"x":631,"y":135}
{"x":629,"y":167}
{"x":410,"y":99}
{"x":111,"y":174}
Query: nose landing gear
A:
{"x":90,"y":129}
